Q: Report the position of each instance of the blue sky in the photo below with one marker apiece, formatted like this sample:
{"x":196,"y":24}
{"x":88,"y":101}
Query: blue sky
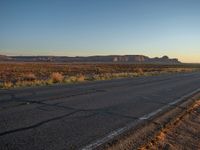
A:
{"x":101,"y":27}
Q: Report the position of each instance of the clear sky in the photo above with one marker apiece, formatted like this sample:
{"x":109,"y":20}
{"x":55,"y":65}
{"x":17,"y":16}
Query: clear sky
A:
{"x":101,"y":27}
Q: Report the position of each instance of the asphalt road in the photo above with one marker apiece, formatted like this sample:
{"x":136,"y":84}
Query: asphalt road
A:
{"x":74,"y":116}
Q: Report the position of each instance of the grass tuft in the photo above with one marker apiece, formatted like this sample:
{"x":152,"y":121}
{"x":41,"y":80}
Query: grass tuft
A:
{"x":56,"y":77}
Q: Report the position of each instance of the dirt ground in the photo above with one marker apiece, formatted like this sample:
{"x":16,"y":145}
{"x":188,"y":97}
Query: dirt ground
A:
{"x":182,"y":134}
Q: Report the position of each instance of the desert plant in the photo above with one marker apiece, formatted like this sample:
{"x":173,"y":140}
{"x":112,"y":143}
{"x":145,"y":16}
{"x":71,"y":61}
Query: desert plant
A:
{"x":56,"y":77}
{"x":7,"y":85}
{"x":49,"y":82}
{"x":47,"y":74}
{"x":72,"y":79}
{"x":140,"y":71}
{"x":1,"y":85}
{"x":80,"y":78}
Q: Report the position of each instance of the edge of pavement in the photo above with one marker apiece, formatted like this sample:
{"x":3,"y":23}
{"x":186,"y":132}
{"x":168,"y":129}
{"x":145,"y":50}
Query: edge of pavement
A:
{"x":142,"y":131}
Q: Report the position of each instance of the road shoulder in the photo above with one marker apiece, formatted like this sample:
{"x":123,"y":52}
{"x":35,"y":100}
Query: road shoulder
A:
{"x":152,"y":134}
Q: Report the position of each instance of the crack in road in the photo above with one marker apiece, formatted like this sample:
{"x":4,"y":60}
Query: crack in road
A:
{"x":16,"y":99}
{"x":37,"y":124}
{"x":70,"y":112}
{"x":105,"y":111}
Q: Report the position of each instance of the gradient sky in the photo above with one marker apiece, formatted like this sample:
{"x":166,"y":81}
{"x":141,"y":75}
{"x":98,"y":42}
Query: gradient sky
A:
{"x":101,"y":27}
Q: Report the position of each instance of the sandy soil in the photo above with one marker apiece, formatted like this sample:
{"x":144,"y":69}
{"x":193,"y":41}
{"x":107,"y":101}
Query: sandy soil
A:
{"x":182,"y":134}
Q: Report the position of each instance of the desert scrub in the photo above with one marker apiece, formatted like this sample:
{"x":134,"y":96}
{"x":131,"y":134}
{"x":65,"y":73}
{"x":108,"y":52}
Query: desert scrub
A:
{"x":49,"y":82}
{"x":74,"y":79}
{"x":42,"y":71}
{"x":81,"y":78}
{"x":7,"y":85}
{"x":36,"y":74}
{"x":29,"y":77}
{"x":30,"y":83}
{"x":57,"y":77}
{"x":140,"y":71}
{"x":70,"y":79}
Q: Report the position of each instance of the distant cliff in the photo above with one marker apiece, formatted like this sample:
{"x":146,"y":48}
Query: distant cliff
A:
{"x":103,"y":59}
{"x":4,"y":58}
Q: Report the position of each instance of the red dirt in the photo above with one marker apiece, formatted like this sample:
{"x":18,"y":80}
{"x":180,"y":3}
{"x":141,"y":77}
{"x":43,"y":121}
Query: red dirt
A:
{"x":184,"y":133}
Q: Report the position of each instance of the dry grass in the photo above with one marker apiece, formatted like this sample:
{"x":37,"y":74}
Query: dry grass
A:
{"x":7,"y":84}
{"x":32,"y":74}
{"x":56,"y":77}
{"x":80,"y":78}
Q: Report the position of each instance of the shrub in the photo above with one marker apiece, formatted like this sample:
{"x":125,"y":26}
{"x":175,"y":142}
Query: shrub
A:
{"x":80,"y":78}
{"x":1,"y":85}
{"x":7,"y":85}
{"x":56,"y":77}
{"x":72,"y":79}
{"x":29,"y":83}
{"x":49,"y":82}
{"x":140,"y":71}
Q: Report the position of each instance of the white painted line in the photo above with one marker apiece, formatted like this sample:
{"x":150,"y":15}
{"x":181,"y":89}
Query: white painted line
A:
{"x":145,"y":117}
{"x":184,"y":97}
{"x":145,"y":97}
{"x":110,"y":136}
{"x":131,"y":125}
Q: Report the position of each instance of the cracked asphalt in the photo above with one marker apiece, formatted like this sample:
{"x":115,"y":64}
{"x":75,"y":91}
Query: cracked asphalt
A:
{"x":63,"y":117}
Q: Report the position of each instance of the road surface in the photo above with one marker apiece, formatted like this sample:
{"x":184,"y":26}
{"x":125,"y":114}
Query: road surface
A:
{"x":75,"y":116}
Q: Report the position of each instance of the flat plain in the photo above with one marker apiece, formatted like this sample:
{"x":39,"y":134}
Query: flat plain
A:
{"x":18,"y":74}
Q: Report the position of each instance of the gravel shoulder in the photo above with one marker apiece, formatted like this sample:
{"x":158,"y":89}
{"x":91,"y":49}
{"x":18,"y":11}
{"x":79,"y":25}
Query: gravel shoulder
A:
{"x":183,"y":133}
{"x":176,"y":128}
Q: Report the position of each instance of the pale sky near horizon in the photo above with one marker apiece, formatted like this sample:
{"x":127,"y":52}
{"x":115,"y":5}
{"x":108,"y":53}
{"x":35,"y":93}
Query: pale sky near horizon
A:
{"x":101,"y":27}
